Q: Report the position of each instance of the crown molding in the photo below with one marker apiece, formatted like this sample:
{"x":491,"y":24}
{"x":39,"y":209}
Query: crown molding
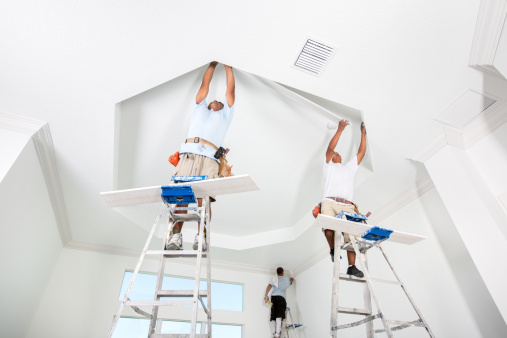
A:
{"x":43,"y":143}
{"x":488,"y":30}
{"x":484,"y":124}
{"x":120,"y":251}
{"x":430,"y":147}
{"x":20,"y":124}
{"x":45,"y":152}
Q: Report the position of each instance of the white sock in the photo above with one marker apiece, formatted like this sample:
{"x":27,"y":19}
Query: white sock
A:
{"x":273,"y":325}
{"x":278,"y":325}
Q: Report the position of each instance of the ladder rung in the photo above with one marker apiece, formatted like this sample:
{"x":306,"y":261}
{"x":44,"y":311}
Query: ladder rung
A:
{"x":185,"y":218}
{"x":175,"y":253}
{"x":159,"y":303}
{"x":180,"y":293}
{"x":401,"y":325}
{"x":354,"y":311}
{"x":363,"y":280}
{"x":176,"y":335}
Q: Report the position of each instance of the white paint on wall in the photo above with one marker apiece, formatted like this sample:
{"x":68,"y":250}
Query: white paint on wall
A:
{"x":29,"y":242}
{"x":12,"y":145}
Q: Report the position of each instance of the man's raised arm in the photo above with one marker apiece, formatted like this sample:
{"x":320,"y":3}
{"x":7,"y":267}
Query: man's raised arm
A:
{"x":231,"y":86}
{"x":334,"y":140}
{"x":362,"y":146}
{"x":206,"y":80}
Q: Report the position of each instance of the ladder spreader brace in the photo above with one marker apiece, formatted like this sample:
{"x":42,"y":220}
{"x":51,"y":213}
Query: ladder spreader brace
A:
{"x":175,"y":195}
{"x":360,"y":247}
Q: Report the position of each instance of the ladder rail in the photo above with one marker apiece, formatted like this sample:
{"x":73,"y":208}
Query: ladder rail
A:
{"x":208,"y":264}
{"x":336,"y":281}
{"x":370,"y":333}
{"x":197,"y":281}
{"x":163,"y":209}
{"x":370,"y":286}
{"x":426,"y":326}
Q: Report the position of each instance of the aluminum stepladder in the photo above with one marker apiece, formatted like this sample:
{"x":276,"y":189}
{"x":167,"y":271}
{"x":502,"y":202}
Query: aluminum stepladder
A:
{"x":290,"y":326}
{"x":202,"y":216}
{"x":360,"y":247}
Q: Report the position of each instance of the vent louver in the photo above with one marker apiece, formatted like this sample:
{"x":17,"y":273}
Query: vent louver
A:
{"x":314,"y":57}
{"x":466,"y":108}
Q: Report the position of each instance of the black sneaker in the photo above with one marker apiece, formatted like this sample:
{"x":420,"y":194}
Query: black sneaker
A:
{"x":352,"y":270}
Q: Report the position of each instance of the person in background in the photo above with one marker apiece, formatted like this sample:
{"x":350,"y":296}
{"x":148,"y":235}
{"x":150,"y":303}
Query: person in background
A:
{"x":279,"y":284}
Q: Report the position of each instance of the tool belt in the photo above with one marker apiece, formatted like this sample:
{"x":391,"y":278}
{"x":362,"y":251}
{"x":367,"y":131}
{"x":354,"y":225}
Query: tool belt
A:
{"x":224,"y":169}
{"x":343,"y":200}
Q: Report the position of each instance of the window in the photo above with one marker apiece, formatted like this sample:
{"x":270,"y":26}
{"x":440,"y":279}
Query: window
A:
{"x":138,"y":328}
{"x":224,"y":296}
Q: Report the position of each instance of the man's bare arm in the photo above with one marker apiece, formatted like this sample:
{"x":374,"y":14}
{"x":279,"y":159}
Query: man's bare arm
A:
{"x":362,"y":146}
{"x":206,"y":80}
{"x":231,"y":86}
{"x":267,"y":291}
{"x":334,"y":140}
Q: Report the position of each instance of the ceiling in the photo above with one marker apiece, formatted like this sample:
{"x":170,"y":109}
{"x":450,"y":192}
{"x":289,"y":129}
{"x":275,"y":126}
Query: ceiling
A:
{"x":115,"y":81}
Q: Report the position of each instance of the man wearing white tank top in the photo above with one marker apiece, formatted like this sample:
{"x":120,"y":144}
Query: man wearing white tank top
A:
{"x":339,"y":189}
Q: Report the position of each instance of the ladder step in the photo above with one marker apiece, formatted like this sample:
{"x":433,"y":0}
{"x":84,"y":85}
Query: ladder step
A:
{"x":180,"y":293}
{"x":363,"y":280}
{"x":175,"y":253}
{"x":401,"y":325}
{"x":176,"y":335}
{"x":354,"y":311}
{"x":185,"y":218}
{"x":159,"y":303}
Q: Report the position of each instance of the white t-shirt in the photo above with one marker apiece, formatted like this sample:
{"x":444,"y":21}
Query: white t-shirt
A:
{"x":210,"y":125}
{"x":339,"y":179}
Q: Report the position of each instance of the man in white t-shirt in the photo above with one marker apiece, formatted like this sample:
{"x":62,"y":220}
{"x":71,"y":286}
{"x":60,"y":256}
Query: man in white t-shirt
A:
{"x":339,"y":189}
{"x":206,"y":134}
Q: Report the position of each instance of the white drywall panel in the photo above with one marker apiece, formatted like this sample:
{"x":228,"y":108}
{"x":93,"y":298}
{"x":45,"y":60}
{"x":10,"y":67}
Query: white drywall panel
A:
{"x":423,"y":267}
{"x":85,"y":286}
{"x":489,"y":156}
{"x":12,"y":145}
{"x":29,"y":242}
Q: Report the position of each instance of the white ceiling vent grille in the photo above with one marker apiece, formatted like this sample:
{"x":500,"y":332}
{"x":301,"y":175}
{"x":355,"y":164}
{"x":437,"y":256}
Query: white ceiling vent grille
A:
{"x":466,"y":108}
{"x":314,"y":57}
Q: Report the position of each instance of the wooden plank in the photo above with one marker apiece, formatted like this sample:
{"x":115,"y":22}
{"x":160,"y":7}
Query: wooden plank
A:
{"x":338,"y":224}
{"x":214,"y":187}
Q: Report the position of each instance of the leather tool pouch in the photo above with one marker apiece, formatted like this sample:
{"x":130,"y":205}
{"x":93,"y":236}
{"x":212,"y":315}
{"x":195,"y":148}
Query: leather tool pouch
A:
{"x":224,"y":169}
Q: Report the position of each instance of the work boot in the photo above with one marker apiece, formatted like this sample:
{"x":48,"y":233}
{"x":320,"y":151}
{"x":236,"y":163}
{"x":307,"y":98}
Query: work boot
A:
{"x":196,"y":243}
{"x":352,"y":270}
{"x":175,"y":242}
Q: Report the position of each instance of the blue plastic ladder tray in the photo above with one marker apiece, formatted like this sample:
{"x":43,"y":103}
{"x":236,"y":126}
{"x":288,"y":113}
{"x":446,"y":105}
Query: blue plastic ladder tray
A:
{"x":178,"y":179}
{"x":350,"y":216}
{"x":180,"y":194}
{"x":377,"y":234}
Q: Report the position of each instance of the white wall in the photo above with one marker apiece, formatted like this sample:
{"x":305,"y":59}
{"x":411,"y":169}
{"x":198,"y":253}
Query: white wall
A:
{"x":29,"y":242}
{"x":82,"y":296}
{"x":441,"y":279}
{"x":12,"y":145}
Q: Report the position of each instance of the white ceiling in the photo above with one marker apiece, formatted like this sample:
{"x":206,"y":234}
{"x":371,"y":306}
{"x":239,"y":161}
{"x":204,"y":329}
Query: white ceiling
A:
{"x":69,"y":63}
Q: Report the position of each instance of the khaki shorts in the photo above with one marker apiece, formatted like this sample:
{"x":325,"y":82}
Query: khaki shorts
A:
{"x":196,"y":165}
{"x":332,"y":209}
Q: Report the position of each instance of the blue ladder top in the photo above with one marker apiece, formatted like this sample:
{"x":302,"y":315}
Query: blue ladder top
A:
{"x":180,"y":194}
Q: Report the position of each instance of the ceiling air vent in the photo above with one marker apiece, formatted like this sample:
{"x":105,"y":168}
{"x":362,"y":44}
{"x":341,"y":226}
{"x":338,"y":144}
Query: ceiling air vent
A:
{"x":314,"y":57}
{"x":466,"y":108}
